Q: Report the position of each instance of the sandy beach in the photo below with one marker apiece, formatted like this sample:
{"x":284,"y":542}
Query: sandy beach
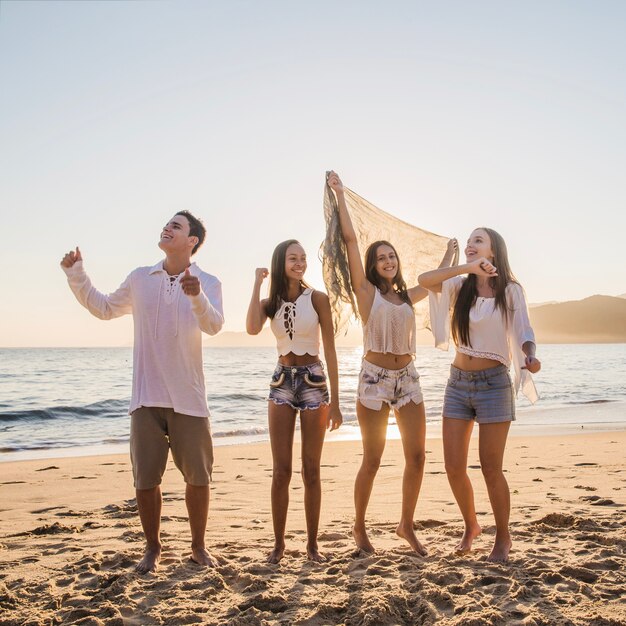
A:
{"x":70,"y":536}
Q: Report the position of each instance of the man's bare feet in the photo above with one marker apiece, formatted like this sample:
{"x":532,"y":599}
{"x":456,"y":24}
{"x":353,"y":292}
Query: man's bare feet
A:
{"x":276,"y":554}
{"x":313,"y":554}
{"x":362,"y":541}
{"x":203,"y":557}
{"x":150,"y":560}
{"x":471,"y":532}
{"x":406,"y":531}
{"x":501,"y":549}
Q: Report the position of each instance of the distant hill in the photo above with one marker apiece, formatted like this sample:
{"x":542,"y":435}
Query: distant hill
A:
{"x":532,"y":305}
{"x":597,"y":319}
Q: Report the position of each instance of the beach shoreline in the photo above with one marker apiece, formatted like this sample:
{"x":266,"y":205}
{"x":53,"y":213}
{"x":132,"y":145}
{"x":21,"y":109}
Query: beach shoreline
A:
{"x":70,"y":535}
{"x":532,"y":421}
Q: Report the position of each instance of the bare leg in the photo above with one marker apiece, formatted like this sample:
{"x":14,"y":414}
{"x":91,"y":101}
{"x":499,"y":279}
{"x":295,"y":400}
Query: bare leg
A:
{"x":197,"y":501}
{"x":282,"y":422}
{"x":491,"y":444}
{"x":373,"y":425}
{"x":456,"y":438}
{"x":313,"y":429}
{"x":149,"y":503}
{"x":411,"y":420}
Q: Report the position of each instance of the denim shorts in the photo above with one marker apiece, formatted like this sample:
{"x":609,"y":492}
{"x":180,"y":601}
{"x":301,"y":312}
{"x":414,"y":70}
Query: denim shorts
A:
{"x":302,"y":387}
{"x":486,"y":395}
{"x":395,"y":387}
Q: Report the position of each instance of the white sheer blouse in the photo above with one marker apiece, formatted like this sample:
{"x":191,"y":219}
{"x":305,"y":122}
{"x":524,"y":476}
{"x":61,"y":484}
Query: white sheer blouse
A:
{"x":491,"y":336}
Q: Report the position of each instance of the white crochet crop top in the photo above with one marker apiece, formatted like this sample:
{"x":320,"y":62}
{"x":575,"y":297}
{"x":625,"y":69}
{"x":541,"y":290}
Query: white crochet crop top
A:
{"x":390,"y":327}
{"x":296,"y":326}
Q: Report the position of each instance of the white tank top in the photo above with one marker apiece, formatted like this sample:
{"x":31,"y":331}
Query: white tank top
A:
{"x":296,"y":326}
{"x":390,"y":327}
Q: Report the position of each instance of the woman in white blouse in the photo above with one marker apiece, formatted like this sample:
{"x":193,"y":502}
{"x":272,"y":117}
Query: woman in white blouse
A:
{"x":487,"y":316}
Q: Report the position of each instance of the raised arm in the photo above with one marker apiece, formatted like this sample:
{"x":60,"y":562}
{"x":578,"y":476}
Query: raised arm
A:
{"x":322,"y":306}
{"x":102,"y":306}
{"x":257,"y":313}
{"x":418,"y":292}
{"x":362,"y":288}
{"x":432,"y":280}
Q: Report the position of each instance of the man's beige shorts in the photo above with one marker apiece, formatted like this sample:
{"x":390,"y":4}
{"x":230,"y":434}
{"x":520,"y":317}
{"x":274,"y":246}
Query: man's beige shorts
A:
{"x":154,"y":431}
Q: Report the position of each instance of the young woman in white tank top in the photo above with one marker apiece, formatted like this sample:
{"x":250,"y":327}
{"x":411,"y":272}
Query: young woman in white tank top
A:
{"x":388,"y":378}
{"x":298,"y":314}
{"x":487,"y":314}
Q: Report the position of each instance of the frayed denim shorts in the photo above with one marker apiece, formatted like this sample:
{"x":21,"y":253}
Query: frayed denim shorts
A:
{"x":395,"y":387}
{"x":486,"y":395}
{"x":302,"y":387}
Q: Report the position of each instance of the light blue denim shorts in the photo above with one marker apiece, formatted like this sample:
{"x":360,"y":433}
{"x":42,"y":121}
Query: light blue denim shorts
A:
{"x":302,"y":387}
{"x":394,"y":387}
{"x":486,"y":395}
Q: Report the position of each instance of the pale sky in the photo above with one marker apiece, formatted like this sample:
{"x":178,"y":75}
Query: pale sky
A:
{"x":450,"y":115}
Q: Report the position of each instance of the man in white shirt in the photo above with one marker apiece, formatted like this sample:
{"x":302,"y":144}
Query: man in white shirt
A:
{"x":168,"y":406}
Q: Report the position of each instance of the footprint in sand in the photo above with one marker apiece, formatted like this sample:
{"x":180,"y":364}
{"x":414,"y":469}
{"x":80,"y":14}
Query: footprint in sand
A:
{"x":328,"y":536}
{"x":51,"y":529}
{"x":579,"y":573}
{"x":46,"y":510}
{"x":265,"y":602}
{"x":255,"y":586}
{"x":598,"y":501}
{"x":428,"y":523}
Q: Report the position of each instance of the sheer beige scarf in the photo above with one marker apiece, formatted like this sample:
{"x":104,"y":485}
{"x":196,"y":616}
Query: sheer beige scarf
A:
{"x":418,"y":250}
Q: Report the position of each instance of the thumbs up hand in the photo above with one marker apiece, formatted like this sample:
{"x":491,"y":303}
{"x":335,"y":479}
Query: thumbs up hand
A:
{"x":190,"y":284}
{"x":71,"y":257}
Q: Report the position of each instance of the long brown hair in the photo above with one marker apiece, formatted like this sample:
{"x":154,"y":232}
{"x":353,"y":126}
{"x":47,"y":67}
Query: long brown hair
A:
{"x":399,"y":286}
{"x":278,"y":281}
{"x":469,"y":292}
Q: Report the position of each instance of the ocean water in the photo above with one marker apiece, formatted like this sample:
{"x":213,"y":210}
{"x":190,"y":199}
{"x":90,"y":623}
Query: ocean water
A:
{"x":68,"y":401}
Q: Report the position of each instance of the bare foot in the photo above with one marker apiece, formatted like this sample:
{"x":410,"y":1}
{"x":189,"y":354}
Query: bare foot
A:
{"x":202,"y":556}
{"x":501,"y":549}
{"x":406,"y":531}
{"x":276,"y":554}
{"x":362,"y":541}
{"x":313,"y":554}
{"x":471,"y":532}
{"x":150,"y":560}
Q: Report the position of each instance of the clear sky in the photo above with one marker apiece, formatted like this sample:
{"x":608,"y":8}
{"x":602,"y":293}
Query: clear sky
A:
{"x":451,"y":115}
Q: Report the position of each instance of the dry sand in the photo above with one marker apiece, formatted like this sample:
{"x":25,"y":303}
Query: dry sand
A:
{"x":70,"y":536}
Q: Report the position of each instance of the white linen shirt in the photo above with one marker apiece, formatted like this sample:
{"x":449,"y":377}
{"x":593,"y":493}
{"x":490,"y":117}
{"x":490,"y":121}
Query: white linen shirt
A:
{"x":168,"y":327}
{"x":491,"y":336}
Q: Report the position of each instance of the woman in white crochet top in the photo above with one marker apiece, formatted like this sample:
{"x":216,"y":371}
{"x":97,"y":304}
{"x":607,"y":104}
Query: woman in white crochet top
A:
{"x":388,"y":378}
{"x":484,"y":307}
{"x":298,"y":316}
